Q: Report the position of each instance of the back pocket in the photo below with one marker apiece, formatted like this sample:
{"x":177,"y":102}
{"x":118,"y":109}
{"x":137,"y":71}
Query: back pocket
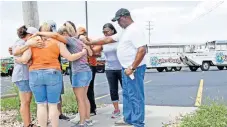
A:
{"x":52,"y":77}
{"x":33,"y":78}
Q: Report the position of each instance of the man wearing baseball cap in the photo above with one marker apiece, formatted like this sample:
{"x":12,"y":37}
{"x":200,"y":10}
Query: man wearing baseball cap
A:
{"x":131,"y":50}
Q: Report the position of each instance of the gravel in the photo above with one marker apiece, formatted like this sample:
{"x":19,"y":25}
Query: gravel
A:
{"x":8,"y":119}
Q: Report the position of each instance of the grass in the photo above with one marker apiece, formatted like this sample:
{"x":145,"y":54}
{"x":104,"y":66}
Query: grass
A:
{"x":10,"y":103}
{"x":212,"y":115}
{"x":69,"y":104}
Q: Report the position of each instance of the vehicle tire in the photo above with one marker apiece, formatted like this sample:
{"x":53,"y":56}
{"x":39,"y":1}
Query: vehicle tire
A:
{"x":67,"y":72}
{"x":177,"y":68}
{"x":160,"y":69}
{"x":10,"y":73}
{"x":149,"y":68}
{"x":193,"y":68}
{"x":220,"y":67}
{"x":169,"y":69}
{"x":226,"y":67}
{"x":205,"y":66}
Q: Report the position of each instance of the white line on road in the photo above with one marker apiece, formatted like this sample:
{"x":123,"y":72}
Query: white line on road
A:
{"x":97,"y":98}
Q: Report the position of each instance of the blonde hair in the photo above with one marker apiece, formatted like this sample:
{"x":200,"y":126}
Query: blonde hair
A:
{"x":45,"y":27}
{"x":68,"y":28}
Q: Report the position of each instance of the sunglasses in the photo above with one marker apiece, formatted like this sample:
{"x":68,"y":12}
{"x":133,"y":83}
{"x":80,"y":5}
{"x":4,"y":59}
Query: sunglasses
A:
{"x":53,"y":26}
{"x":105,"y":32}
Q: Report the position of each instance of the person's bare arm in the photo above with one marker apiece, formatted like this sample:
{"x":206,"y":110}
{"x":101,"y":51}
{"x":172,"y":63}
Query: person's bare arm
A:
{"x":89,"y":50}
{"x":97,"y":48}
{"x":24,"y":59}
{"x":18,"y":50}
{"x":53,"y":35}
{"x":139,"y":56}
{"x":100,"y":41}
{"x":71,"y":57}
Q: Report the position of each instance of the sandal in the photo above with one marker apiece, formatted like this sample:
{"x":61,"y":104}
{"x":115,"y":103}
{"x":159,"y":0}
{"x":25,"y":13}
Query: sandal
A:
{"x":32,"y":125}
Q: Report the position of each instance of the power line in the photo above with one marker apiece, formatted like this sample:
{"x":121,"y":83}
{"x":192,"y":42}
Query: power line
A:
{"x":209,"y":11}
{"x":149,"y":30}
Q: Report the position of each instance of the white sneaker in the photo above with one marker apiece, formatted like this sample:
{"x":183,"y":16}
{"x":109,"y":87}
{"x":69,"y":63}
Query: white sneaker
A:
{"x":76,"y":119}
{"x":89,"y":122}
{"x":122,"y":122}
{"x":116,"y":114}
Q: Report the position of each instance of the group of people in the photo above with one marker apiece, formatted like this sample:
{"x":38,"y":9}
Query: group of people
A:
{"x":37,"y":69}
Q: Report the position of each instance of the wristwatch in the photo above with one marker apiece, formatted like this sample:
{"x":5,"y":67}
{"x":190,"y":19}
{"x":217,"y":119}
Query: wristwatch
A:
{"x":130,"y":67}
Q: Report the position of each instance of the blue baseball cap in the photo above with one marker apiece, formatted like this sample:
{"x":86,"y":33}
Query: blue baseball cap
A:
{"x":53,"y":25}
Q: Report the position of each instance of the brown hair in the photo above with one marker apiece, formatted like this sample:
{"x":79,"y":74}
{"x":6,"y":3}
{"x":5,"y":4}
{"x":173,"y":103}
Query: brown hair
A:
{"x":22,"y":32}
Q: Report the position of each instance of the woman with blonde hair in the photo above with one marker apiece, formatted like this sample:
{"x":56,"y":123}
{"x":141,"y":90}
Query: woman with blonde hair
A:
{"x":45,"y":77}
{"x":81,"y":72}
{"x":50,"y":26}
{"x":92,"y":60}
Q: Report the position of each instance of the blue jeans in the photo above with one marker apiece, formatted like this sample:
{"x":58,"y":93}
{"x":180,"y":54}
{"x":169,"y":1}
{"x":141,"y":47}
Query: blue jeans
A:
{"x":133,"y":97}
{"x":46,"y":85}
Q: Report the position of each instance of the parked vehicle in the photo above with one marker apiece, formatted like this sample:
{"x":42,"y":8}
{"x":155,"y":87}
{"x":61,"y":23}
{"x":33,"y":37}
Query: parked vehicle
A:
{"x":164,"y":57}
{"x":100,"y":65}
{"x":213,"y":53}
{"x":100,"y":68}
{"x":65,"y":66}
{"x":7,"y":66}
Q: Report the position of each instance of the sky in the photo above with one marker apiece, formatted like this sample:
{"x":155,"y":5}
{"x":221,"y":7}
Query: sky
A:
{"x":172,"y":22}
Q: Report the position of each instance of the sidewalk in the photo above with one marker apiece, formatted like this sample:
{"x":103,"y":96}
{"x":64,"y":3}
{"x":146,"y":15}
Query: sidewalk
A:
{"x":155,"y":116}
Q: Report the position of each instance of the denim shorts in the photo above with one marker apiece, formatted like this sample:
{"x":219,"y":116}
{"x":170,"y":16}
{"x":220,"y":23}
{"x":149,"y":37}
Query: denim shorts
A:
{"x":81,"y":79}
{"x":23,"y":86}
{"x":46,"y":85}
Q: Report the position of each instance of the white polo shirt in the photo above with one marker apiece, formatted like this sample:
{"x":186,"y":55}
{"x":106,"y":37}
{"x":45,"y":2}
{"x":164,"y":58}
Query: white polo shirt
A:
{"x":130,"y":40}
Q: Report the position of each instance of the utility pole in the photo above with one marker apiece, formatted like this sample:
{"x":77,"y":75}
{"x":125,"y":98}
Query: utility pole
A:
{"x":30,"y":13}
{"x":86,"y":17}
{"x":149,"y":30}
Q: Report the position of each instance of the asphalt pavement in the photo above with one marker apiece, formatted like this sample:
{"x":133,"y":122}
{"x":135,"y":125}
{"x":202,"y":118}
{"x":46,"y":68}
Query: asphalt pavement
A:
{"x":167,"y":94}
{"x":161,"y":89}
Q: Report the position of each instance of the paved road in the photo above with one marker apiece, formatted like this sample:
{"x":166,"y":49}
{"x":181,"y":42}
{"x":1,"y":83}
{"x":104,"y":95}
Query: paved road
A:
{"x":163,"y":89}
{"x":181,"y":88}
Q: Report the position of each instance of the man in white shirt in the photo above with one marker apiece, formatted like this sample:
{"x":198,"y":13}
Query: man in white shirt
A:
{"x":130,"y":52}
